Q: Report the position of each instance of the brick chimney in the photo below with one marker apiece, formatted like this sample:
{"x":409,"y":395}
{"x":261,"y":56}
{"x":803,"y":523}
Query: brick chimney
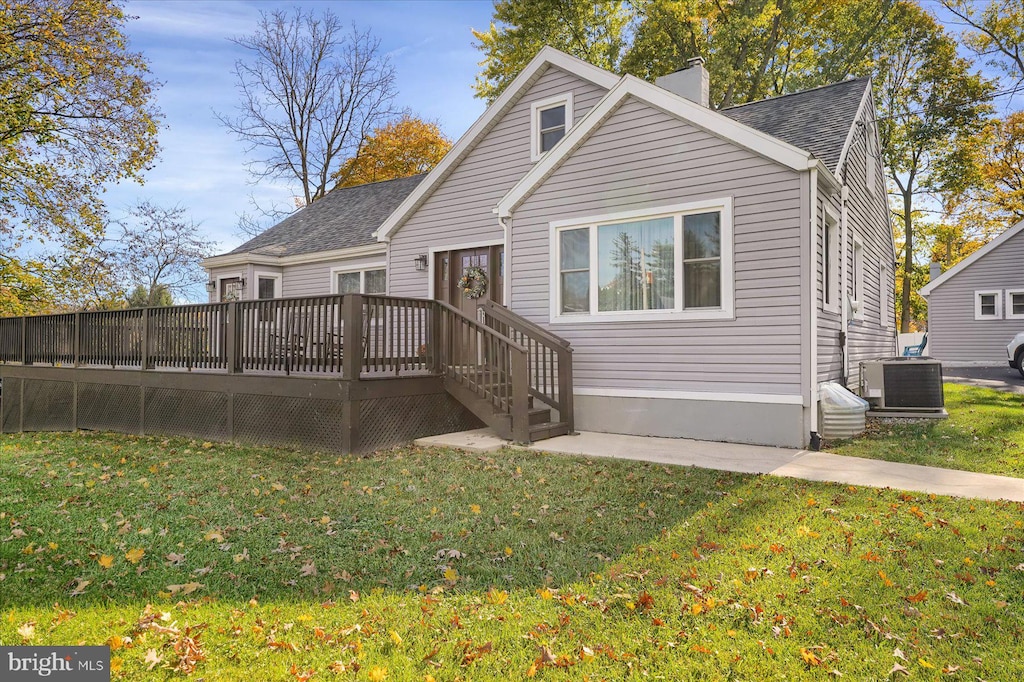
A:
{"x":691,"y":82}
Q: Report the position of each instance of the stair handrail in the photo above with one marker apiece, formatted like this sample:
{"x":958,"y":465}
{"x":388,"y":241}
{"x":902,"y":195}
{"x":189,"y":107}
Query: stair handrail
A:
{"x":562,"y":401}
{"x":507,"y":316}
{"x":513,"y":375}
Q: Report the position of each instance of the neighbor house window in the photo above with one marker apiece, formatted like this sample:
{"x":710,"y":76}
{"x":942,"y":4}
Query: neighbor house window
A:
{"x":550,"y":120}
{"x":1014,"y":304}
{"x":858,"y":278}
{"x":988,"y":305}
{"x":830,"y":263}
{"x":360,"y":281}
{"x":677,"y":260}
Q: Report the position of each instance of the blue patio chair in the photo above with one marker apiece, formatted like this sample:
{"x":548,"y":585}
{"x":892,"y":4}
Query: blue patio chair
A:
{"x":916,"y":351}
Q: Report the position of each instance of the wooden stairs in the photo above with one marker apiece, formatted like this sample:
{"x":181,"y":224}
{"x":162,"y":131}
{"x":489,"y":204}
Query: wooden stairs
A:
{"x":518,"y":379}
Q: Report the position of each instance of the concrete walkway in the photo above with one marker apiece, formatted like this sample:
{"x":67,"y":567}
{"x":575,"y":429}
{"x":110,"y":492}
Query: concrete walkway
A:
{"x":757,"y":459}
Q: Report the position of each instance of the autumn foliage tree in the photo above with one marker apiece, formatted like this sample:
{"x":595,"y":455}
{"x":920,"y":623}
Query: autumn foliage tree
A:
{"x":402,"y":148}
{"x":76,"y":112}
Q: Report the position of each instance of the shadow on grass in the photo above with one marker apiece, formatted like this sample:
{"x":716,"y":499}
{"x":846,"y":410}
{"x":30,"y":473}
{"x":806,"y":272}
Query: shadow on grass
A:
{"x":290,"y":525}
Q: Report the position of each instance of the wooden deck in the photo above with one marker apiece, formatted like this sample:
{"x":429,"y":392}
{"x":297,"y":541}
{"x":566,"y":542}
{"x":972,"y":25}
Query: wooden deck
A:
{"x":349,"y":373}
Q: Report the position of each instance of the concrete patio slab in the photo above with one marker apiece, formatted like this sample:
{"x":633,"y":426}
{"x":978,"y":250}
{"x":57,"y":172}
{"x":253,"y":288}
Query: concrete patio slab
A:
{"x":477,"y":440}
{"x":757,"y":459}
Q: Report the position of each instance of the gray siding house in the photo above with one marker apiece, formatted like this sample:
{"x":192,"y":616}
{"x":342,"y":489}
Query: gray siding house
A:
{"x":977,"y":306}
{"x":710,"y":268}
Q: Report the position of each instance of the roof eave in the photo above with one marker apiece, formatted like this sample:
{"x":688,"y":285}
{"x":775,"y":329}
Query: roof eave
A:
{"x":1008,"y":234}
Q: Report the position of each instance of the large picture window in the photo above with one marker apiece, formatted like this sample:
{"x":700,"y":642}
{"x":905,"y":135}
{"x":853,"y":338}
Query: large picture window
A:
{"x":675,"y":261}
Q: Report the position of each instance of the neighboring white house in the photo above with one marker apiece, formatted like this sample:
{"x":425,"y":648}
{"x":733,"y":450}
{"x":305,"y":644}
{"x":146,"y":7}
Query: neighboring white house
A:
{"x":710,"y":268}
{"x":977,"y":306}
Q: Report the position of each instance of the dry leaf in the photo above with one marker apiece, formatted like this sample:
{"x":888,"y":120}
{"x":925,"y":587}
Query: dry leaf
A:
{"x":135,"y":555}
{"x":152,"y":659}
{"x":308,"y":568}
{"x":897,"y":668}
{"x":105,"y":561}
{"x":27,"y":631}
{"x":174,"y":559}
{"x":187,"y":588}
{"x":80,"y":586}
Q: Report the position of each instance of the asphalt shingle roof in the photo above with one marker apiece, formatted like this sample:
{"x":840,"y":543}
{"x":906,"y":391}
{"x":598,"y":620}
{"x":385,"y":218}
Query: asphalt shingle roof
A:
{"x":346,"y":217}
{"x":816,"y":120}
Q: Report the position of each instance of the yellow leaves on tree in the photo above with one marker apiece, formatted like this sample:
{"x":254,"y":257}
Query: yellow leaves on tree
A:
{"x":405,"y":147}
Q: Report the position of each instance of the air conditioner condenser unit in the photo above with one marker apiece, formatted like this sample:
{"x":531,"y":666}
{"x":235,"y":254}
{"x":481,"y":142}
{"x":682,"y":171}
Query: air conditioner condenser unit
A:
{"x":909,"y":387}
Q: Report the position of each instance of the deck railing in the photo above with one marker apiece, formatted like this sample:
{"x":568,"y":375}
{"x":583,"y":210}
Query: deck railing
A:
{"x":495,"y":365}
{"x":487,"y":364}
{"x":285,"y":335}
{"x":549,"y":358}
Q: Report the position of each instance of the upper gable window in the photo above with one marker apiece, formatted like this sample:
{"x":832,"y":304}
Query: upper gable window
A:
{"x":550,"y":119}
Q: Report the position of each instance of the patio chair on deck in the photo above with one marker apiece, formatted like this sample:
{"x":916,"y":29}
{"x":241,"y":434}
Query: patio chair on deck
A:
{"x":916,"y":351}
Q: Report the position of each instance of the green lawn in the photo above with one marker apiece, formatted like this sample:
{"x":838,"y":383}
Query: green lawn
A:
{"x":244,"y":563}
{"x":984,"y":432}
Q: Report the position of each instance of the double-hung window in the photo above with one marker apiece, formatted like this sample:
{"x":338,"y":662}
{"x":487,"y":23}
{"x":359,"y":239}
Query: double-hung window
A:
{"x":550,"y":119}
{"x":674,"y":261}
{"x":1015,"y":304}
{"x":988,"y":305}
{"x":830,"y":249}
{"x":370,"y":281}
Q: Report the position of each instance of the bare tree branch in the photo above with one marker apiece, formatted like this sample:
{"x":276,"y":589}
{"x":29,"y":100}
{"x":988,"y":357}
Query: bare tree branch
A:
{"x":311,"y":92}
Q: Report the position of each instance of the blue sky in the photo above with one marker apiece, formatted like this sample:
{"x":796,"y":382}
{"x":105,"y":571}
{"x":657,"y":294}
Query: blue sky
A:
{"x":187,"y":43}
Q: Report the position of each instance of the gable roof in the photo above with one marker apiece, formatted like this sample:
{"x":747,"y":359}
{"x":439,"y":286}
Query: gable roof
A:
{"x":818,"y":120}
{"x":974,"y":257}
{"x":547,"y":57}
{"x":346,"y":217}
{"x":709,"y":120}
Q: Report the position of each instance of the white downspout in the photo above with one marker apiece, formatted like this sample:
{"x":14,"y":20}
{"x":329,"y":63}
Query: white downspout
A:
{"x":813,"y":295}
{"x":843,"y":275}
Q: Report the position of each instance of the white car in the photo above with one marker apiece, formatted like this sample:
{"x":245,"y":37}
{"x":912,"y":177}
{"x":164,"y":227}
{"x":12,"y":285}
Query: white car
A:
{"x":1015,"y":353}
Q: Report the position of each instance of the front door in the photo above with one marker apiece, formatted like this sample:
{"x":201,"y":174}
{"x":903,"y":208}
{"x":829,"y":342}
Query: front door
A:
{"x":449,"y":267}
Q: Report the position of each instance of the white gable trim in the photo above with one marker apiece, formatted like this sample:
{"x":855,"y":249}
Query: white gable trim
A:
{"x":231,"y":259}
{"x":701,"y":117}
{"x":548,"y":56}
{"x":966,"y":262}
{"x":866,"y":101}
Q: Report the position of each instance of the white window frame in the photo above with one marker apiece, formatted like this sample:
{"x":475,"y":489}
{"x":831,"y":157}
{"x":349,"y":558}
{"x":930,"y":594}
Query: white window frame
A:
{"x":857,"y":296}
{"x":1010,"y":293}
{"x":675,"y":211}
{"x":361,"y":269}
{"x":830,"y":226}
{"x":254,"y":290}
{"x":998,"y":295}
{"x":536,"y":108}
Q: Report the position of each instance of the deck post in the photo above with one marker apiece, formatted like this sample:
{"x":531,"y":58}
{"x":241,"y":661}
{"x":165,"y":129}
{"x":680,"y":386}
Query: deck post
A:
{"x":352,"y":339}
{"x":436,"y":337}
{"x":565,"y":408}
{"x":24,"y":341}
{"x":520,"y":397}
{"x":145,"y":340}
{"x":76,"y":327}
{"x":231,"y":338}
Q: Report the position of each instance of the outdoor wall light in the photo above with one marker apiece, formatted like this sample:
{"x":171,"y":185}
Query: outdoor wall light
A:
{"x":421,"y":262}
{"x":211,"y":286}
